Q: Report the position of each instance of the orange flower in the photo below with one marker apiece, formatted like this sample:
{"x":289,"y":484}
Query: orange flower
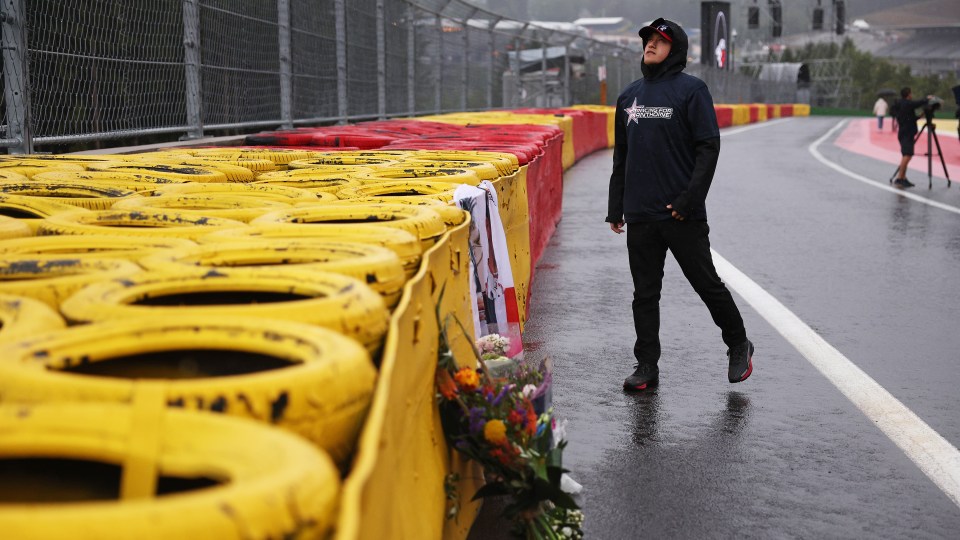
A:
{"x":446,"y":384}
{"x":468,"y":379}
{"x":531,"y":418}
{"x":495,"y":431}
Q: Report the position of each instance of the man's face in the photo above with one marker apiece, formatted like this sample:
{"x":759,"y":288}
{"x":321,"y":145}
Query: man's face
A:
{"x":656,"y":50}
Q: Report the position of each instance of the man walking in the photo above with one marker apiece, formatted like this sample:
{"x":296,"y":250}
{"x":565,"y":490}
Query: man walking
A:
{"x":667,"y":144}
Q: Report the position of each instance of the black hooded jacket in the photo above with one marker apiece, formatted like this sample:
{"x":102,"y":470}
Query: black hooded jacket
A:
{"x":667,"y":142}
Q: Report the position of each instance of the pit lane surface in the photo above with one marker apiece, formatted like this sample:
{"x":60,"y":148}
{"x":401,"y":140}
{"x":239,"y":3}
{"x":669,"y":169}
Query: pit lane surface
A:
{"x":785,"y":454}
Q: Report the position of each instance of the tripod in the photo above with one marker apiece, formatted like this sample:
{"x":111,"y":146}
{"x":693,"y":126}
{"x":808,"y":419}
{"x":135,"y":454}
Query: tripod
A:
{"x":931,"y":138}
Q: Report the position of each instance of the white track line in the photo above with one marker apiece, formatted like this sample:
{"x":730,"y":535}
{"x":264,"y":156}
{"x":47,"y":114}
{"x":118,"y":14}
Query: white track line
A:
{"x":813,"y":149}
{"x":935,"y":456}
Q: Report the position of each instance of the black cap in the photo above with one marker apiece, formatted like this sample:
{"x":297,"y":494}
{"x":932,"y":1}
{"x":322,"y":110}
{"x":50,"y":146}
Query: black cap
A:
{"x":659,"y":26}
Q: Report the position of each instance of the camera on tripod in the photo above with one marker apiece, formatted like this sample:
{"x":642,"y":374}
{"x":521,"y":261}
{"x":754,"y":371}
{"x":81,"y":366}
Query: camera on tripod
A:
{"x":933,"y":105}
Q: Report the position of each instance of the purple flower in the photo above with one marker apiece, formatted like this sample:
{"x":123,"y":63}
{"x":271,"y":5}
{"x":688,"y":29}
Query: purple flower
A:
{"x":499,"y":397}
{"x":477,"y":421}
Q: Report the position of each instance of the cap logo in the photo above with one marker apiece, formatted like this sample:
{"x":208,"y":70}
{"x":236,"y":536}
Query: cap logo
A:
{"x":663,"y":28}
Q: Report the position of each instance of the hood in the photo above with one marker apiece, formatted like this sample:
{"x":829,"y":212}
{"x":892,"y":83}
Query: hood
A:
{"x":676,"y":61}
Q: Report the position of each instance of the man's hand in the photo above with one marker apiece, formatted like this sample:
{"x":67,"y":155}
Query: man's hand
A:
{"x":673,"y":213}
{"x":617,"y":227}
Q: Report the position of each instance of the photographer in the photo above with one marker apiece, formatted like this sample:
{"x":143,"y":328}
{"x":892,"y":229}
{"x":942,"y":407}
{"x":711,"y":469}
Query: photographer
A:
{"x":906,"y":115}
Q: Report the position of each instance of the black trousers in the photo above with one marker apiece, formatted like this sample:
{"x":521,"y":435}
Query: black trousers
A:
{"x":647,"y":244}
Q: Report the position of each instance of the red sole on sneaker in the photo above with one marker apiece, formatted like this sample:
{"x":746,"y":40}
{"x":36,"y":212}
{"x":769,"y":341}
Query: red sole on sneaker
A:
{"x":748,"y":372}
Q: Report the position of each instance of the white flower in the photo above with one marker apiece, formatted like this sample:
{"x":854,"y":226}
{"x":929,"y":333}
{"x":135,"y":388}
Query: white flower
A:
{"x":559,"y":432}
{"x":528,"y":390}
{"x":567,"y":531}
{"x":493,"y":343}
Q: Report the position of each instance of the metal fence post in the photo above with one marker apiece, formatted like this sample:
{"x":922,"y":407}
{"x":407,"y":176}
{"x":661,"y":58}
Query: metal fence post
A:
{"x":411,"y":62}
{"x":191,"y":64}
{"x":543,"y":71}
{"x":464,"y":73}
{"x":340,"y":14}
{"x":566,"y":75}
{"x":517,"y":100}
{"x":438,"y":68}
{"x":286,"y":72}
{"x":16,"y":89}
{"x":381,"y":62}
{"x":491,"y":57}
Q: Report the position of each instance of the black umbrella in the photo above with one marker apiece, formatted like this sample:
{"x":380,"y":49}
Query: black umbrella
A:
{"x":887,"y":92}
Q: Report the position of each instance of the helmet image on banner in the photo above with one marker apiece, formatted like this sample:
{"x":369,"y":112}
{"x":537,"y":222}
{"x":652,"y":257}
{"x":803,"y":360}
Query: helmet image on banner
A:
{"x":720,"y":40}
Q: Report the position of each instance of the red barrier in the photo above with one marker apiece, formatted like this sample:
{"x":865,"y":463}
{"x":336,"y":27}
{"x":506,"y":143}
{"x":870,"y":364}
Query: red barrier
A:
{"x":786,"y":110}
{"x":545,"y":197}
{"x":596,"y":130}
{"x":754,"y":114}
{"x":279,"y":138}
{"x":724,"y":115}
{"x":362,"y":140}
{"x":770,"y":112}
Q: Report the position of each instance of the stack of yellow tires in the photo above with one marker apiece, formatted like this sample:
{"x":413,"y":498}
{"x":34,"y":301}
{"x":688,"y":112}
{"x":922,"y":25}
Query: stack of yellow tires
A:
{"x":190,"y":339}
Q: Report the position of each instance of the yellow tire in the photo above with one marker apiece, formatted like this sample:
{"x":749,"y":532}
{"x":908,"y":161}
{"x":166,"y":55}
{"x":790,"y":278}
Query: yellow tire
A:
{"x":440,"y":191}
{"x":127,"y":180}
{"x":376,"y":266}
{"x":329,"y":182}
{"x":131,"y":248}
{"x":104,"y":471}
{"x":268,"y":192}
{"x":191,"y":173}
{"x":309,"y":380}
{"x":484,"y":169}
{"x":29,"y":167}
{"x":53,"y":278}
{"x":79,"y":194}
{"x":13,"y":228}
{"x":199,"y":204}
{"x":278,"y":156}
{"x":422,"y":222}
{"x":400,"y":172}
{"x":21,"y":206}
{"x":407,"y":246}
{"x":318,"y":169}
{"x":135,"y":223}
{"x":342,"y":159}
{"x":450,"y":214}
{"x":24,"y":317}
{"x":325,"y":299}
{"x":234,"y":171}
{"x":505,"y":163}
{"x":14,"y":176}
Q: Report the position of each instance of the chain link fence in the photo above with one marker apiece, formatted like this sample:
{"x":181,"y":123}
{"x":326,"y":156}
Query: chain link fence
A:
{"x":82,"y":72}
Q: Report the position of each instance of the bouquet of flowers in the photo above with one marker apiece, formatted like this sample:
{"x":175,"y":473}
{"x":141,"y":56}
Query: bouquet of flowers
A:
{"x":494,"y":421}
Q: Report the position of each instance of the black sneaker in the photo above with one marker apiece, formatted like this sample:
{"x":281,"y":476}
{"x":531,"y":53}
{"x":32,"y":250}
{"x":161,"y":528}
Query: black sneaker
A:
{"x":903,"y":183}
{"x":645,"y":376}
{"x":741,"y":362}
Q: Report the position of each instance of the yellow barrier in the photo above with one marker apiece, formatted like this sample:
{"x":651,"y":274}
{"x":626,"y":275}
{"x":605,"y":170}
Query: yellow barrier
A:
{"x":801,"y":109}
{"x":741,"y":114}
{"x":514,"y":213}
{"x":396,"y":487}
{"x":774,"y":111}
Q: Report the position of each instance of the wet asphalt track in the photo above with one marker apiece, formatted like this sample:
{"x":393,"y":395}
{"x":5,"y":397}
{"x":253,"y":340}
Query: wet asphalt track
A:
{"x":784,"y":454}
